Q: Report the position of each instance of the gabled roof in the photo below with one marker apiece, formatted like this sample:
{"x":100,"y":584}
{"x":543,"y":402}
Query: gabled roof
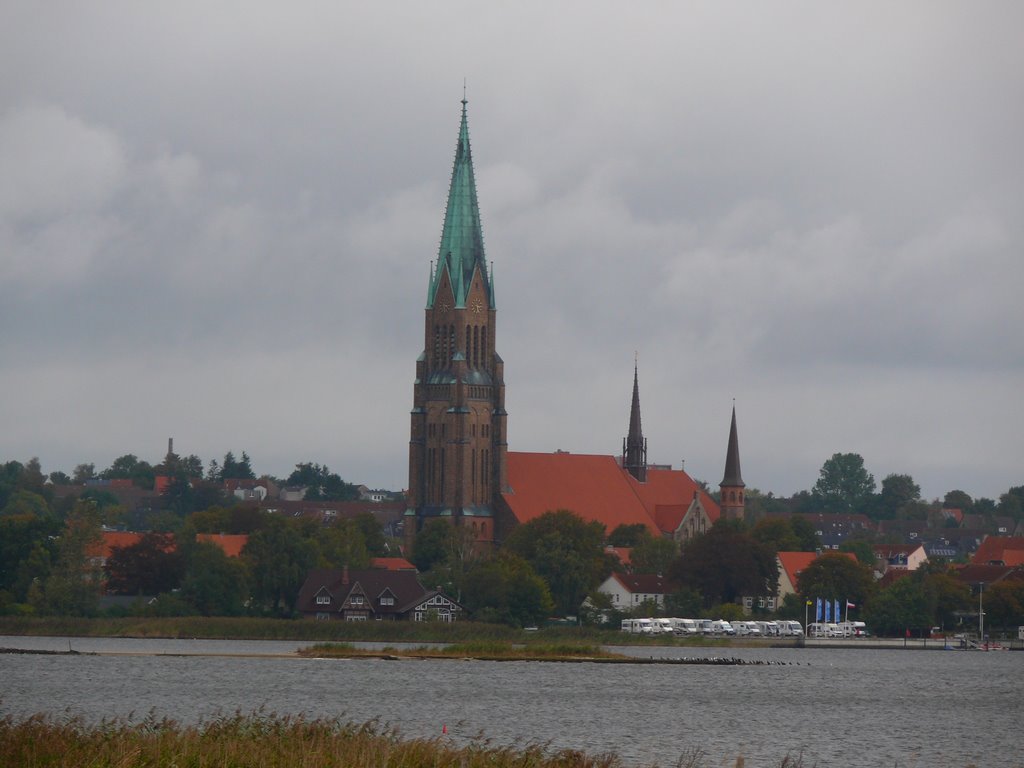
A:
{"x":892,"y":550}
{"x":461,"y":252}
{"x":642,"y":583}
{"x":794,"y":563}
{"x":1008,"y":550}
{"x":594,"y":487}
{"x":231,"y":543}
{"x":667,"y":496}
{"x":373,"y":582}
{"x":976,"y":573}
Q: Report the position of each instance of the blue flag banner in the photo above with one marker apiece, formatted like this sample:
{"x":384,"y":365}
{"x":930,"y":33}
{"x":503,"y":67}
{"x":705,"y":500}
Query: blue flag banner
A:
{"x":817,"y":610}
{"x":839,"y":614}
{"x":828,"y":610}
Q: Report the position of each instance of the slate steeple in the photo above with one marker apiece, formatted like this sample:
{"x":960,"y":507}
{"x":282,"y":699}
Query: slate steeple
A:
{"x":461,"y":253}
{"x":457,"y":445}
{"x":634,"y":445}
{"x":732,"y":484}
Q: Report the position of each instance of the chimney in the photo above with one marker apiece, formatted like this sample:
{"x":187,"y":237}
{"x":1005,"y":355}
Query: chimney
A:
{"x":170,"y":445}
{"x":344,"y":575}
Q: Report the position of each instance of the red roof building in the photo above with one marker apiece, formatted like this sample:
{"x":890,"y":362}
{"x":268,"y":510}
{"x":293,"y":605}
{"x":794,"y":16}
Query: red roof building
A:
{"x":1000,"y":550}
{"x":597,"y":488}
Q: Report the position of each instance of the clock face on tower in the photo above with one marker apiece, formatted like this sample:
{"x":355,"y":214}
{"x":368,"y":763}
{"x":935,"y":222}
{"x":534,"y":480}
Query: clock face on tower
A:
{"x":478,"y":307}
{"x":445,"y":306}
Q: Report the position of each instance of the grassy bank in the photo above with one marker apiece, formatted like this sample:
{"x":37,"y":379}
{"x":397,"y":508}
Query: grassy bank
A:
{"x":326,"y":631}
{"x":481,"y":650}
{"x":273,"y":741}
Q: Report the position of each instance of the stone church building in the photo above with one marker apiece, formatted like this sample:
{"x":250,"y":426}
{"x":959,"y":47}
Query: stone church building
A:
{"x":460,"y":468}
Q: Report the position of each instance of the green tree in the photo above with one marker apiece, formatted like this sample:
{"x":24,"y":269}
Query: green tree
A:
{"x":506,"y":590}
{"x":431,"y":545}
{"x":1011,"y":503}
{"x":901,"y":606}
{"x":947,"y":596}
{"x":83,"y":473}
{"x":20,"y":536}
{"x":786,"y":534}
{"x":653,"y":554}
{"x":26,"y":503}
{"x":958,"y":500}
{"x":862,"y":549}
{"x":684,"y":602}
{"x":627,"y":535}
{"x":1004,"y":604}
{"x":898,"y":491}
{"x":844,"y":485}
{"x":836,"y":577}
{"x":322,"y":484}
{"x":373,"y":533}
{"x":725,"y":564}
{"x":214,"y":584}
{"x":149,"y":567}
{"x":60,"y":478}
{"x":564,"y":550}
{"x":343,"y":543}
{"x":73,"y":585}
{"x":279,"y":557}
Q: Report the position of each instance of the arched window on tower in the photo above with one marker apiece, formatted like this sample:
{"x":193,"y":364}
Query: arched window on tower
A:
{"x":437,"y":346}
{"x":483,"y":349}
{"x":467,"y":341}
{"x":451,"y":343}
{"x":476,"y":346}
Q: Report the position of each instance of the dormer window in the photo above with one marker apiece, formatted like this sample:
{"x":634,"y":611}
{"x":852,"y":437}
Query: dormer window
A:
{"x":356,"y":599}
{"x":323,"y":599}
{"x":387,"y":600}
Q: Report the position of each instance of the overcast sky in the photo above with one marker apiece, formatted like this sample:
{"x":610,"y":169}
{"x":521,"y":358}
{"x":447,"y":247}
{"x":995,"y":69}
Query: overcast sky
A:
{"x":217,"y":223}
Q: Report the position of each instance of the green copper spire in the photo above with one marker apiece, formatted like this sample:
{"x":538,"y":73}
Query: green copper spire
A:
{"x":462,"y":239}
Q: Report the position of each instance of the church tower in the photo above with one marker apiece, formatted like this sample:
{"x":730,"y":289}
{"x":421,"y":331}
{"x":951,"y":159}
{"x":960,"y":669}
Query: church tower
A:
{"x":634,"y":445}
{"x":732,"y":483}
{"x":458,"y":444}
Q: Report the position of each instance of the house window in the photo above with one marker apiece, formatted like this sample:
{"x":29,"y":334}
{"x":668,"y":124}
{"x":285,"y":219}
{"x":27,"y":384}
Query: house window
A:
{"x":387,"y":600}
{"x":321,"y":616}
{"x":323,"y":599}
{"x":359,"y":617}
{"x":356,"y":600}
{"x":748,"y":602}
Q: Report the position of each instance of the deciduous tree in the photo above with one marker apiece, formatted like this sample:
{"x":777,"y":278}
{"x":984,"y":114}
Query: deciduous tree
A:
{"x":506,"y":590}
{"x":564,"y":550}
{"x":725,"y":564}
{"x":148,"y":567}
{"x":844,"y":485}
{"x":836,"y":577}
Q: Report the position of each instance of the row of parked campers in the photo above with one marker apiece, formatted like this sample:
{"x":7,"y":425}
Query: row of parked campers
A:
{"x":692,"y":627}
{"x":842,"y":629}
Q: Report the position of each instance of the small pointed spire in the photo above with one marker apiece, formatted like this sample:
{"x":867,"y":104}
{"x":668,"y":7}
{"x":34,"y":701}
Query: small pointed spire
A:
{"x":634,"y":447}
{"x":732,"y":478}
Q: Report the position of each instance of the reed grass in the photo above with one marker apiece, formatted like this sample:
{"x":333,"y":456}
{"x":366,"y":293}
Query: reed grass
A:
{"x":479,"y":649}
{"x":266,"y":741}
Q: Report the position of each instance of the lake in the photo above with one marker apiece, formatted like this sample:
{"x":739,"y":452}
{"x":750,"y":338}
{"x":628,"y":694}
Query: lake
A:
{"x":835,"y":707}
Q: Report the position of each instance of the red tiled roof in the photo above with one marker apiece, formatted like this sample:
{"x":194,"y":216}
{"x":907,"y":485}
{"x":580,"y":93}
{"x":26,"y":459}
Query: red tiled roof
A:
{"x":231,"y":543}
{"x":793,"y":563}
{"x":392,"y":564}
{"x":598,"y":488}
{"x":594,"y":487}
{"x":667,"y":495}
{"x":112,"y":539}
{"x":1008,"y":550}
